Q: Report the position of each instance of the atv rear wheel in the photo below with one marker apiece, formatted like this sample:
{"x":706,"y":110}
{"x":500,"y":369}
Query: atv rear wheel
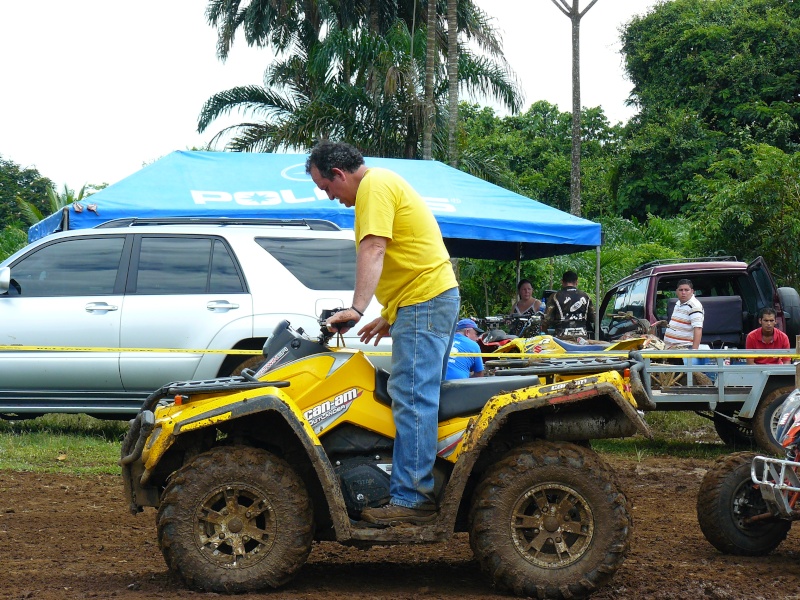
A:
{"x":235,"y":519}
{"x":765,"y":420}
{"x":549,"y":521}
{"x":728,"y":496}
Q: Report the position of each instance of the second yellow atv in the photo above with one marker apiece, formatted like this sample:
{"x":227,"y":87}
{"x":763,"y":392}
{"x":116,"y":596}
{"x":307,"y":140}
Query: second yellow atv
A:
{"x":246,"y":472}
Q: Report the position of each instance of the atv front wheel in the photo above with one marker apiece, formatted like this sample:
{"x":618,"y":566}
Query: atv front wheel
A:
{"x":235,"y":519}
{"x":727,"y":497}
{"x":548,"y":521}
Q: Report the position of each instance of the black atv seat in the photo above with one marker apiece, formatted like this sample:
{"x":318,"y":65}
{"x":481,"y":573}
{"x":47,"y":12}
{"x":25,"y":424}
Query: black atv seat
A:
{"x":461,"y":397}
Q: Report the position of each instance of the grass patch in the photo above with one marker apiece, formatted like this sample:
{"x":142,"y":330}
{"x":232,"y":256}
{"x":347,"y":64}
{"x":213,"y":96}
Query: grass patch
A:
{"x":56,"y":443}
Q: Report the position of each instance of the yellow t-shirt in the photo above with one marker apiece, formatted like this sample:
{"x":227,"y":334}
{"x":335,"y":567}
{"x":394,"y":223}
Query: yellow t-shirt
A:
{"x":416,"y":266}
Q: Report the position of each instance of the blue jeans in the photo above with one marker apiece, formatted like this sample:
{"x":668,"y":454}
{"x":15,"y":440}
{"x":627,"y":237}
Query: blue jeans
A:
{"x":421,"y":340}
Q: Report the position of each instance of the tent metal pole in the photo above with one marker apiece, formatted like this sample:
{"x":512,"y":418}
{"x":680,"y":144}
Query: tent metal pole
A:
{"x":597,"y":294}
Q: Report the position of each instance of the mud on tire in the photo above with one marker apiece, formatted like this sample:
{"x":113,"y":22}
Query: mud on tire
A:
{"x":727,"y":496}
{"x":235,"y":519}
{"x":549,"y":521}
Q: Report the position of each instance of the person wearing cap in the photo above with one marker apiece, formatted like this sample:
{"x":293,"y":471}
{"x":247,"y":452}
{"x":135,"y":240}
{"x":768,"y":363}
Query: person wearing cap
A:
{"x":464,"y":341}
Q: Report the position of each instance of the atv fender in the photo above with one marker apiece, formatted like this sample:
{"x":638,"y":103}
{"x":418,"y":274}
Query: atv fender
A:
{"x":497,"y":412}
{"x":275,"y":402}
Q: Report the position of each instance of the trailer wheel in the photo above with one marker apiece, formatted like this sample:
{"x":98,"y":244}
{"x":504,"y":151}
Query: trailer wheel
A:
{"x":235,"y":519}
{"x":733,"y":434}
{"x":765,"y":420}
{"x":728,"y":496}
{"x":548,"y":521}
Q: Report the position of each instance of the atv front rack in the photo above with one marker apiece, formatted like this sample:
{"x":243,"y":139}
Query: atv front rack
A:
{"x":779,"y":483}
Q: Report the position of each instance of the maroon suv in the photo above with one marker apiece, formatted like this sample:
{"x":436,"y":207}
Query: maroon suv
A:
{"x":732,"y":293}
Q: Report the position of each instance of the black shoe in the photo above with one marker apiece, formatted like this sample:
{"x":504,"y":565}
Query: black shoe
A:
{"x":392,"y":514}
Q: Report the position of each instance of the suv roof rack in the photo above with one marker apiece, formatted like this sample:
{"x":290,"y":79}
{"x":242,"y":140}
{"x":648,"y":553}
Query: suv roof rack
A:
{"x":673,"y":261}
{"x":313,"y":224}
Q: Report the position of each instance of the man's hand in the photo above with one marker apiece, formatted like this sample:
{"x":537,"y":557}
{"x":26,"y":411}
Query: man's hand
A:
{"x":343,"y":316}
{"x":379,"y":329}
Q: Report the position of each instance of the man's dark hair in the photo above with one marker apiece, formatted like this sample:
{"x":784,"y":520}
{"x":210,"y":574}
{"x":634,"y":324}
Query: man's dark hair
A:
{"x":334,"y":155}
{"x":569,"y":277}
{"x":767,"y":311}
{"x":684,"y":282}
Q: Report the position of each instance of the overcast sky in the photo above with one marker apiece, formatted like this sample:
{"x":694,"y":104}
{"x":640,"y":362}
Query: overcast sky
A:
{"x":94,"y":89}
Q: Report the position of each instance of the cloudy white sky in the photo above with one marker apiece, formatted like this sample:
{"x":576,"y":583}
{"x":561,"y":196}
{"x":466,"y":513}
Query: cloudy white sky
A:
{"x":94,"y":89}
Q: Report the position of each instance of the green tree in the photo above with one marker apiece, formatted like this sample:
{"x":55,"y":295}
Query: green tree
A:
{"x":55,"y":201}
{"x":353,"y":79}
{"x":706,"y":76}
{"x":18,"y":182}
{"x":531,"y":152}
{"x":749,"y":205}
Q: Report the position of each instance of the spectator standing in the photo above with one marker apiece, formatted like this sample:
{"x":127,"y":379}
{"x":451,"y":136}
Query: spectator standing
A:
{"x":767,"y":337}
{"x":401,"y":260}
{"x":569,"y":310}
{"x":686,"y":324}
{"x":465,"y":341}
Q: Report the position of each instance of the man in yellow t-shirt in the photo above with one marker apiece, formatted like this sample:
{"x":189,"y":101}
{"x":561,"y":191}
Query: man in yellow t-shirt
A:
{"x":401,"y":260}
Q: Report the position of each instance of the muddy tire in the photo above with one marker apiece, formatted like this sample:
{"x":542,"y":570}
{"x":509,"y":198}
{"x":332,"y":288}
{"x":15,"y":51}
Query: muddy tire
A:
{"x":235,"y":519}
{"x":736,"y":436}
{"x":727,"y":496}
{"x":548,"y":521}
{"x":765,"y":420}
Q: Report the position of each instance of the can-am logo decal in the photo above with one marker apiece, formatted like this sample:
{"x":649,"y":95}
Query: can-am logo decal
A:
{"x":326,"y":413}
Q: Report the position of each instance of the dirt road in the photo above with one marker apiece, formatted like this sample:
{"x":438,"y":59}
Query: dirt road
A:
{"x":65,"y":537}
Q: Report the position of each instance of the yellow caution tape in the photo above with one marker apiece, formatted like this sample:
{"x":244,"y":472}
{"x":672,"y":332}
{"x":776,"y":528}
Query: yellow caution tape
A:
{"x":652,"y":354}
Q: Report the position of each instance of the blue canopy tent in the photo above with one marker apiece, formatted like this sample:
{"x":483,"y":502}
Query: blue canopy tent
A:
{"x":478,"y":219}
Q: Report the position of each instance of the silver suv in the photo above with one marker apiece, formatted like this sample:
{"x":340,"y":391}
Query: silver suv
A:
{"x":159,"y":285}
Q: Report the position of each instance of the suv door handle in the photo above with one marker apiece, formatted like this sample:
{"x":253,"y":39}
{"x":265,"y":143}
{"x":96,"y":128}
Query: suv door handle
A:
{"x":99,"y":307}
{"x":221,"y":305}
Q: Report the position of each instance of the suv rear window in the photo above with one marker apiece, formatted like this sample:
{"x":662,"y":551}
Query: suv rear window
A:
{"x":185,"y":265}
{"x":319,"y":264}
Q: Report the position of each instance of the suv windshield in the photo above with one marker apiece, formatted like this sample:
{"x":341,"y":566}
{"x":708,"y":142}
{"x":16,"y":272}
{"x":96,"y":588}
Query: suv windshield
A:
{"x":319,"y":264}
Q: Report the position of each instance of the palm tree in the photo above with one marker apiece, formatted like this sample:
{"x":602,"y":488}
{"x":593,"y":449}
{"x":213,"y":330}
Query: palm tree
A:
{"x":55,"y":202}
{"x":349,"y":72}
{"x":452,"y":78}
{"x":374,"y":106}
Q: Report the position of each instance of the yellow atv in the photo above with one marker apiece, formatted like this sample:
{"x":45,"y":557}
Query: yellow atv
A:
{"x":246,"y":472}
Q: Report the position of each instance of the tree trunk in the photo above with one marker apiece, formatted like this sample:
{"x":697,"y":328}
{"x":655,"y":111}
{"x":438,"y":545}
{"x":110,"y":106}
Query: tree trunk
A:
{"x":430,"y":67}
{"x":452,"y":77}
{"x":575,"y":172}
{"x":574,"y":14}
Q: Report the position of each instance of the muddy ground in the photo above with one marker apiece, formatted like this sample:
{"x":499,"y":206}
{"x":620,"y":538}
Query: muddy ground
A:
{"x":65,"y":537}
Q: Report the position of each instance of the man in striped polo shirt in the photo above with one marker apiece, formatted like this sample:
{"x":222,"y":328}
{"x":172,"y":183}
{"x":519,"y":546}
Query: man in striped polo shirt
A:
{"x":686,"y":325}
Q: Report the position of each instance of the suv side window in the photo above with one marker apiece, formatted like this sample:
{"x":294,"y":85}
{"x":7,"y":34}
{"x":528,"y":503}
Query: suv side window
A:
{"x":185,"y":265}
{"x":74,"y":267}
{"x":322,"y":264}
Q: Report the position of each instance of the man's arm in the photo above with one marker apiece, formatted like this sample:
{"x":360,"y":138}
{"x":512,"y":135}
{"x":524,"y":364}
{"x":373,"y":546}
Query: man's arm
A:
{"x":697,"y":334}
{"x":369,"y":266}
{"x":748,"y":345}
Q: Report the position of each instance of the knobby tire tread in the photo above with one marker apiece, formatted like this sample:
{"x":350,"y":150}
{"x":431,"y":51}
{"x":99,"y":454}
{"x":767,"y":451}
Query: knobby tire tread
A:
{"x":495,"y":497}
{"x":175,"y":519}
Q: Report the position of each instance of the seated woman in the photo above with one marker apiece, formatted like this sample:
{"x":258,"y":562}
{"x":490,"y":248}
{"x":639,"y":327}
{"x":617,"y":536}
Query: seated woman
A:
{"x":527,"y":304}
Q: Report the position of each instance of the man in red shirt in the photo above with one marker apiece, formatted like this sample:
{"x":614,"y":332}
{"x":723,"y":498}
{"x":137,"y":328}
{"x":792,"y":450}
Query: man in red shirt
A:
{"x":767,"y":337}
